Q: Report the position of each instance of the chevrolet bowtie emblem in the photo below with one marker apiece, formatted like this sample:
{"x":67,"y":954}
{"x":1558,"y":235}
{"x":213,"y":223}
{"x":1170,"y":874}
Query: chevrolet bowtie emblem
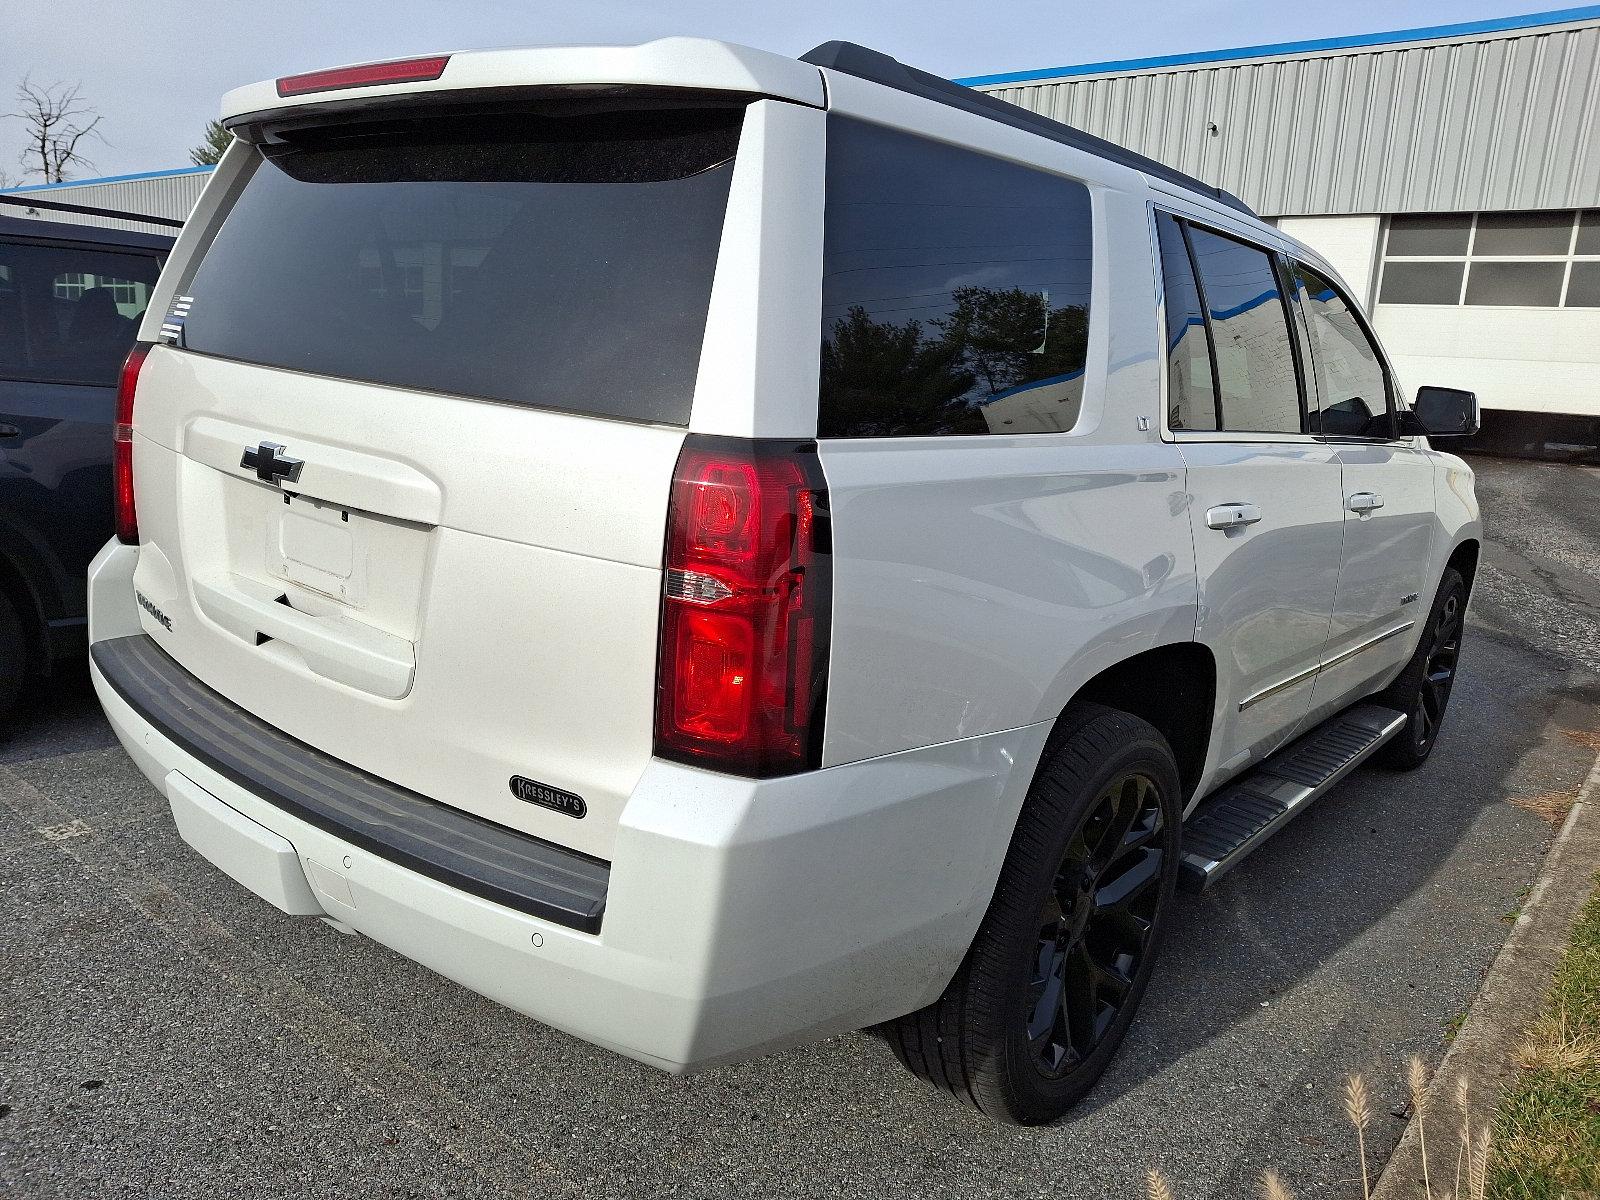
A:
{"x":271,"y":465}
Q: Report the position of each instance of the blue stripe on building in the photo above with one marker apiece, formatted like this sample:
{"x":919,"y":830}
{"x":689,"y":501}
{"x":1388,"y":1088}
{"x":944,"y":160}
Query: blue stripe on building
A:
{"x":1355,"y":41}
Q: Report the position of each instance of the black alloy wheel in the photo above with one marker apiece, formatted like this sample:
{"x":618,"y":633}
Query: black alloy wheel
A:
{"x":1096,"y":925}
{"x":1422,"y":690}
{"x":1443,"y":640}
{"x":1054,"y":976}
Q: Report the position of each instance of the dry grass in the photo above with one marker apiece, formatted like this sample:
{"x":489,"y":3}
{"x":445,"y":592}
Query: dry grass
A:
{"x":1472,"y":1160}
{"x":1545,"y":1140}
{"x":1551,"y":806}
{"x":1478,"y":1173}
{"x":1156,"y":1186}
{"x":1547,"y":1128}
{"x":1272,"y":1187}
{"x":1417,"y":1088}
{"x":1589,"y":739}
{"x":1359,"y":1111}
{"x":1555,"y":1044}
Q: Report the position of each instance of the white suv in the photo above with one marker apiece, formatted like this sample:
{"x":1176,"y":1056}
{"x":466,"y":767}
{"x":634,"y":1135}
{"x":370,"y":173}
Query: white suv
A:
{"x":711,"y":550}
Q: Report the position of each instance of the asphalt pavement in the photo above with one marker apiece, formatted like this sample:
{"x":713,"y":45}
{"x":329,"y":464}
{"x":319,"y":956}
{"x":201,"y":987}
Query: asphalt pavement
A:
{"x":164,"y":1033}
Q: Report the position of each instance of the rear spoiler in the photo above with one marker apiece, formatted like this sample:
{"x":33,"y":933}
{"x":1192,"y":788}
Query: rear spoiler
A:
{"x":85,"y":210}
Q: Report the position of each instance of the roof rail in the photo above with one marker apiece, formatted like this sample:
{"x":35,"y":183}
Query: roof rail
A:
{"x":86,"y":210}
{"x":851,"y":59}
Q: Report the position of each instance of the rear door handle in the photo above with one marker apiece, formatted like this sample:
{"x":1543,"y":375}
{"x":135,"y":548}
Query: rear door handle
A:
{"x":1232,"y":516}
{"x":1364,"y":502}
{"x":9,"y":431}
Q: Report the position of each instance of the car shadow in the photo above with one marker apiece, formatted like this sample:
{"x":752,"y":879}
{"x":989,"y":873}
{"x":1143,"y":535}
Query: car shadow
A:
{"x":58,"y":715}
{"x":1361,"y":858}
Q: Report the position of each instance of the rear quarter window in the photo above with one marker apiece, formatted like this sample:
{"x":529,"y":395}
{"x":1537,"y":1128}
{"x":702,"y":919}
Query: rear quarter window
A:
{"x":955,"y":292}
{"x":556,"y":260}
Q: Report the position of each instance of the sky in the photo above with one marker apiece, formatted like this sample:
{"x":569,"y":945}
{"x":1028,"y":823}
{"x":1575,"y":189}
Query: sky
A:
{"x":157,"y":71}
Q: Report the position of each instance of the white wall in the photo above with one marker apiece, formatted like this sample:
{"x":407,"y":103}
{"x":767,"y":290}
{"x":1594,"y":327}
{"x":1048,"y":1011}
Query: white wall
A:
{"x":1527,"y":359}
{"x":1523,"y":359}
{"x":1350,"y":244}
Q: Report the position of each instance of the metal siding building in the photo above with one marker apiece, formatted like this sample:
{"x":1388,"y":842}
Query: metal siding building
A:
{"x":1351,"y":143}
{"x":169,"y":194}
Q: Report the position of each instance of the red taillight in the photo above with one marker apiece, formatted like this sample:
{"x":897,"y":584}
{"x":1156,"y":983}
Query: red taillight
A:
{"x":744,"y":622}
{"x":122,"y":446}
{"x":406,"y":70}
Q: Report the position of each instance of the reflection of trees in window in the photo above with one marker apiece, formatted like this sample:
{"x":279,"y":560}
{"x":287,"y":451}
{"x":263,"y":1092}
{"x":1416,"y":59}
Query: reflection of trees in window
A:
{"x":880,"y":379}
{"x":1009,"y":338}
{"x":883,"y":379}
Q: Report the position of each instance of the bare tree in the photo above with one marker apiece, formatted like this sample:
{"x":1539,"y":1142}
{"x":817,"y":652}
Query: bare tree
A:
{"x":57,"y":120}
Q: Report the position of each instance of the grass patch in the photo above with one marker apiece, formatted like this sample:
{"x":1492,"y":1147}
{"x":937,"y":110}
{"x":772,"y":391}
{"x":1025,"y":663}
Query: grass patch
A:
{"x":1547,"y":1128}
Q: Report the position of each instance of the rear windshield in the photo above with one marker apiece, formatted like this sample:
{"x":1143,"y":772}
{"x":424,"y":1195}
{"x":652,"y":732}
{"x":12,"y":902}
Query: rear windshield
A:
{"x":557,"y":261}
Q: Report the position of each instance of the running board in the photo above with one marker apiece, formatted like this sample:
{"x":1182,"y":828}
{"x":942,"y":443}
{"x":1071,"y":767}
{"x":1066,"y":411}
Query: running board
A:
{"x":1228,"y":826}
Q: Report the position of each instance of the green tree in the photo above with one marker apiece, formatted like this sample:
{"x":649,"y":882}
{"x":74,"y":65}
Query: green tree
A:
{"x":209,"y":151}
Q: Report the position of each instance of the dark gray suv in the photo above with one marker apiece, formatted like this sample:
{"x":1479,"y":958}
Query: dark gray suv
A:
{"x":70,"y":301}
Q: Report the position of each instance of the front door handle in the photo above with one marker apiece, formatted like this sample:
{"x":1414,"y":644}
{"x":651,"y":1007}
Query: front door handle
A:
{"x":9,"y":431}
{"x":1364,"y":502}
{"x":1232,"y":516}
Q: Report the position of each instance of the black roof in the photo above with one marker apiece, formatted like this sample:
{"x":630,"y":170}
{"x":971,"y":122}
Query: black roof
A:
{"x":126,"y":238}
{"x":851,"y":59}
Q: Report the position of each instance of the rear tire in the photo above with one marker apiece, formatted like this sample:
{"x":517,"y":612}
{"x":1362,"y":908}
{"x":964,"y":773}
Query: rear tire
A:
{"x":1062,"y":959}
{"x":13,"y":657}
{"x":1422,"y":690}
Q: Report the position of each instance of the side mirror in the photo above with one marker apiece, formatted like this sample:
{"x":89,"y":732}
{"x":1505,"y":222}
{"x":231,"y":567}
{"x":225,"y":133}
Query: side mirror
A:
{"x":1447,"y":412}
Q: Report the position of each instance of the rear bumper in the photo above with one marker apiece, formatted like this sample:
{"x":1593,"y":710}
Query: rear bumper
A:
{"x":739,"y":915}
{"x":454,"y":847}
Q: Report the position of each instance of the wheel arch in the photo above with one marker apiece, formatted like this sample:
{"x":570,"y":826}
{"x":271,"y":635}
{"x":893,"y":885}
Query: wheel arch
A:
{"x":1174,"y":688}
{"x":1464,"y":558}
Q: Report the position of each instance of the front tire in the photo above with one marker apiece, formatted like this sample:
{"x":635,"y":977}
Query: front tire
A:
{"x":13,"y":657}
{"x":1062,"y":959}
{"x":1422,"y":690}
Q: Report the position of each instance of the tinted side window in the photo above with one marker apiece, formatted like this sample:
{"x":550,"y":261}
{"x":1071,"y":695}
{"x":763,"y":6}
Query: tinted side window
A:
{"x":1191,"y":389}
{"x":1351,"y":382}
{"x":69,"y":315}
{"x":1250,"y":330}
{"x":955,"y":292}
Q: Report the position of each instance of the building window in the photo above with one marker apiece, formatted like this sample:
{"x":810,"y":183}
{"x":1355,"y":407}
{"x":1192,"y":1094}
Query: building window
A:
{"x":71,"y":285}
{"x":1524,"y":260}
{"x":130,"y":296}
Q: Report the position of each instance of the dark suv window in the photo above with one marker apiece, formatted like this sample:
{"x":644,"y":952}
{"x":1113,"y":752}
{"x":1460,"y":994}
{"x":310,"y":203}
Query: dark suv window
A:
{"x":1255,"y":358}
{"x":562,"y":260}
{"x":955,"y":290}
{"x":1352,"y":386}
{"x":69,"y":314}
{"x":1231,"y":361}
{"x":1191,"y":387}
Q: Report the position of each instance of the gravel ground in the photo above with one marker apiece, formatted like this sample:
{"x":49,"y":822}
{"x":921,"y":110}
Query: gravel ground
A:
{"x":1542,"y":564}
{"x":162,"y":1032}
